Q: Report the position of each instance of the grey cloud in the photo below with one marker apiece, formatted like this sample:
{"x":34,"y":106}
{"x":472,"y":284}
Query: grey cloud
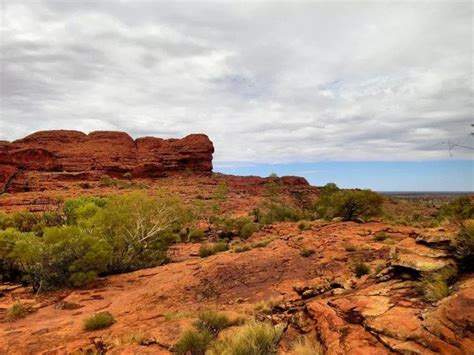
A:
{"x":268,"y":82}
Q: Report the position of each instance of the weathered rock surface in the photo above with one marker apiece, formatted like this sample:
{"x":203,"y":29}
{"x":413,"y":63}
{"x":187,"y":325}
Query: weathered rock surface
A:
{"x":363,"y":317}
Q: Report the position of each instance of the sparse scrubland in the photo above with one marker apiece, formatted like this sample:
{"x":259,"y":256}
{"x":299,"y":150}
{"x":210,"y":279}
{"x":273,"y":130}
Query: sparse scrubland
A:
{"x":283,"y":270}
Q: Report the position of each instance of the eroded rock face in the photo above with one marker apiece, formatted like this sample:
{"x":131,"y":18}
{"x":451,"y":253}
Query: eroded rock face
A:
{"x":111,"y":153}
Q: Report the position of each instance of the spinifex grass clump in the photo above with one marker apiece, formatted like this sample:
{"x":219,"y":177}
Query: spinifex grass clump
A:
{"x":210,"y":249}
{"x":99,"y":321}
{"x":253,"y":338}
{"x":361,"y":269}
{"x":212,"y":322}
{"x":16,"y":311}
{"x":193,"y":342}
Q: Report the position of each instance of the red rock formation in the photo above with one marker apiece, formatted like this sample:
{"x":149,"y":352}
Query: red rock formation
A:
{"x":111,"y":153}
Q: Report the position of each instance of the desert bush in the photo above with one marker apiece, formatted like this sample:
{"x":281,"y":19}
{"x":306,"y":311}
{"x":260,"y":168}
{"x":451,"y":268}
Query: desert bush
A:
{"x":106,"y":180}
{"x":220,"y":247}
{"x":266,"y":306}
{"x":128,"y":176}
{"x":52,"y":219}
{"x":5,"y":221}
{"x":435,"y":290}
{"x":16,"y":311}
{"x":240,"y":248}
{"x":349,"y":205}
{"x":72,"y":205}
{"x":248,"y":229}
{"x":361,"y":269}
{"x":85,"y":185}
{"x":254,"y":338}
{"x":380,"y":237}
{"x":206,"y":250}
{"x":239,"y":223}
{"x":307,"y":345}
{"x":9,"y":268}
{"x":262,"y":243}
{"x":139,"y":228}
{"x":350,"y":247}
{"x":435,"y":286}
{"x":25,"y":221}
{"x":98,"y":321}
{"x":459,"y":209}
{"x":279,"y":212}
{"x":193,"y":342}
{"x":212,"y":322}
{"x":196,"y":235}
{"x":464,"y":245}
{"x":64,"y":256}
{"x":304,"y":225}
{"x":306,"y":252}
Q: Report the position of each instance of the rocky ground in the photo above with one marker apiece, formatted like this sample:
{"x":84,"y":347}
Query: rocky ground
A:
{"x":304,"y":281}
{"x":379,"y":313}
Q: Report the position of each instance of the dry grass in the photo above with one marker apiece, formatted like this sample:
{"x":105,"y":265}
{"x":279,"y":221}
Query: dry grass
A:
{"x":254,"y":338}
{"x":307,"y":345}
{"x":16,"y":311}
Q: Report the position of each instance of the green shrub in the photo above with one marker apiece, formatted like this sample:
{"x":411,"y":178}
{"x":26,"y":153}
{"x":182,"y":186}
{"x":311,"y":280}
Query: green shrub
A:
{"x":107,"y":181}
{"x":102,"y":236}
{"x":361,"y":269}
{"x":381,"y":236}
{"x":262,"y":243}
{"x":239,"y":223}
{"x":248,"y":229}
{"x":349,"y":205}
{"x":266,"y":306}
{"x":63,"y":256}
{"x":212,"y":322}
{"x":306,"y":252}
{"x":435,"y":286}
{"x":71,"y":206}
{"x":138,"y":245}
{"x":272,"y":212}
{"x":241,"y":248}
{"x":459,"y":209}
{"x":251,"y":339}
{"x":193,"y":342}
{"x":196,"y":235}
{"x":5,"y":221}
{"x":435,"y":290}
{"x":304,"y":225}
{"x":9,"y":268}
{"x":206,"y":250}
{"x":98,"y":321}
{"x":220,"y":247}
{"x":16,"y":311}
{"x":85,"y":185}
{"x":464,"y":244}
{"x":25,"y":221}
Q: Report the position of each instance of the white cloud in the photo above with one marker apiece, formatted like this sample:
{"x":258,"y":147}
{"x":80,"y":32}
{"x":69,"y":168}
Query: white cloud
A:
{"x":268,"y":82}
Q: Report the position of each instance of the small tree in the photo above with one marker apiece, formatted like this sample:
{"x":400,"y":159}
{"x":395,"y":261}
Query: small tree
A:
{"x":348,"y":204}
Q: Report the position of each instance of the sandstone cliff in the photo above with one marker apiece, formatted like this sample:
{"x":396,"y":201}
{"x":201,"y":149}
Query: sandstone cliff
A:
{"x":102,"y":152}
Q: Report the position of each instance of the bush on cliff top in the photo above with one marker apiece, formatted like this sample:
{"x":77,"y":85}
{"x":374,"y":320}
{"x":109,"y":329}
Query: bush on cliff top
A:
{"x":348,"y":204}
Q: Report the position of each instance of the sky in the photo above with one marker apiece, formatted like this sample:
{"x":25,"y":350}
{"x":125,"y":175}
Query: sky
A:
{"x":365,"y":94}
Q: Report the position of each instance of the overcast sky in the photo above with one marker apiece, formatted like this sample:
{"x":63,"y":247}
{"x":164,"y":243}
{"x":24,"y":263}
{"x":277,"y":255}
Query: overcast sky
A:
{"x":272,"y":82}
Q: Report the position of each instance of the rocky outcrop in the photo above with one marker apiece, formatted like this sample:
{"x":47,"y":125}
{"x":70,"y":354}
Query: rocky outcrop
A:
{"x":99,"y":153}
